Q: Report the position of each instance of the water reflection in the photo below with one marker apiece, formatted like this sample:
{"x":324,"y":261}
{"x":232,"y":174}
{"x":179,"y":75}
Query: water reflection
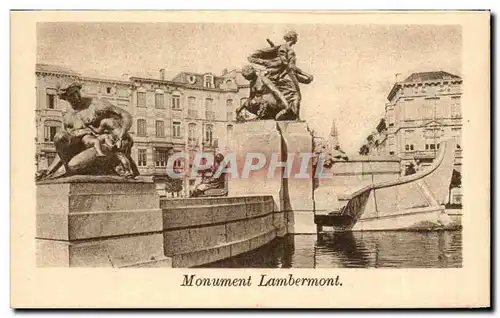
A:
{"x":356,"y":250}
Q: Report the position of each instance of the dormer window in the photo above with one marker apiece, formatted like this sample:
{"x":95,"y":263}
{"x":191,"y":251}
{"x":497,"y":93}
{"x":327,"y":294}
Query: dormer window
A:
{"x":208,"y":81}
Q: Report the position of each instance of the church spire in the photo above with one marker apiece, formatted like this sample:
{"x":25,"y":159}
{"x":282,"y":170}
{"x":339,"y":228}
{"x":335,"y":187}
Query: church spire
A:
{"x":333,"y":138}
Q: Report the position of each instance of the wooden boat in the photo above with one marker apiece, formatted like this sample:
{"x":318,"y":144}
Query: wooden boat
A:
{"x":410,"y":202}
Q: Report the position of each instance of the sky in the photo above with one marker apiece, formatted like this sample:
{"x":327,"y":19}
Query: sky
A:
{"x":354,"y":66}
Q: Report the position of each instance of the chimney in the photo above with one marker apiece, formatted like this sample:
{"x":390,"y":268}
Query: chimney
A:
{"x":224,"y":71}
{"x":162,"y":74}
{"x":397,"y":77}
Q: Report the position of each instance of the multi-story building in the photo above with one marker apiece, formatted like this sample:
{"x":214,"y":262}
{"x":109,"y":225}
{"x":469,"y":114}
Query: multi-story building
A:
{"x":422,"y":110}
{"x":192,"y":112}
{"x":49,"y":109}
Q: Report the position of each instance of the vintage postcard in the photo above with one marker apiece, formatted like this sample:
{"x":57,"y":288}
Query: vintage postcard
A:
{"x":250,"y":159}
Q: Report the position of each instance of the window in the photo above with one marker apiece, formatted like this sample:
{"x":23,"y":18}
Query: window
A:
{"x":432,"y":137}
{"x":51,"y":129}
{"x":50,"y":157}
{"x":390,"y":117}
{"x":430,"y":144}
{"x":192,"y":182}
{"x":192,"y":113}
{"x":209,"y":112}
{"x":192,"y":132}
{"x":209,"y":104}
{"x":160,"y":158}
{"x":51,"y":101}
{"x":159,"y":100}
{"x":209,"y":81}
{"x":391,"y":144}
{"x":428,"y":108}
{"x":409,"y":139}
{"x":411,"y":110}
{"x":141,"y":99}
{"x":176,"y":102}
{"x":141,"y":157}
{"x":229,"y":131}
{"x":178,"y":163}
{"x":242,"y":101}
{"x":108,"y":90}
{"x":141,"y":127}
{"x":455,"y":107}
{"x":229,"y":110}
{"x":160,"y":128}
{"x":457,"y":135}
{"x":209,"y":134}
{"x":176,"y":131}
{"x":441,"y":108}
{"x":191,"y":102}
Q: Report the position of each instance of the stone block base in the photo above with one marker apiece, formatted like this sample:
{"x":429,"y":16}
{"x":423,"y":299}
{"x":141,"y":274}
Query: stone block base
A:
{"x":85,"y":221}
{"x":260,"y":137}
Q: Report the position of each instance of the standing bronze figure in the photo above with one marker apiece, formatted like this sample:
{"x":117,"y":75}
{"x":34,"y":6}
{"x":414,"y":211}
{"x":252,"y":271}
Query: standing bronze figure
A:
{"x":281,"y":68}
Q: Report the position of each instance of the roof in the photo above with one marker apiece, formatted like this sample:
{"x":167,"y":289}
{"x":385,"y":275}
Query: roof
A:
{"x":430,"y":76}
{"x":50,"y":68}
{"x":423,"y":77}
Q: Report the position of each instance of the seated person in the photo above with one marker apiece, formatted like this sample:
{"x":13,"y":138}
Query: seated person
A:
{"x":212,"y":183}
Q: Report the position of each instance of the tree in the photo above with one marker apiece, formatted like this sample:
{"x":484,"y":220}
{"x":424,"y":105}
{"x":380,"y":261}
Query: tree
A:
{"x":364,"y":150}
{"x":381,"y":126}
{"x":456,"y":182}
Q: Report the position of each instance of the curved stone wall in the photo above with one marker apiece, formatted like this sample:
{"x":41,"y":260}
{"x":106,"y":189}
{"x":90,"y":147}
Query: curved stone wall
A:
{"x":204,"y":230}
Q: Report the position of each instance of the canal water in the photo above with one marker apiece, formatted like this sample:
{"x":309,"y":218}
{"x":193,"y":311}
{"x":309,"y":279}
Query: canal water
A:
{"x":381,"y":249}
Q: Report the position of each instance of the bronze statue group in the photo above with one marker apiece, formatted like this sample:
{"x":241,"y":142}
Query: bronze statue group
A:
{"x":95,"y":138}
{"x":275,"y":92}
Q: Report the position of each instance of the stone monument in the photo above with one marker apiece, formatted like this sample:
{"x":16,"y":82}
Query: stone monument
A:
{"x":275,"y":99}
{"x":91,"y":210}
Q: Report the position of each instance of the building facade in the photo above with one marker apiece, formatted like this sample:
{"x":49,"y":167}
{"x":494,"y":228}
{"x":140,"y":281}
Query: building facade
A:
{"x":190,"y":113}
{"x":422,"y":110}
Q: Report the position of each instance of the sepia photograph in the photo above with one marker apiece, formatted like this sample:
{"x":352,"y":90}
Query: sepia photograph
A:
{"x":107,"y":128}
{"x":214,"y":144}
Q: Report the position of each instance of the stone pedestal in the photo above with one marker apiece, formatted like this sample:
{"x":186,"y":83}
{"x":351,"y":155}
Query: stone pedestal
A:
{"x":261,"y":137}
{"x":85,"y":221}
{"x":325,"y":197}
{"x":297,"y":141}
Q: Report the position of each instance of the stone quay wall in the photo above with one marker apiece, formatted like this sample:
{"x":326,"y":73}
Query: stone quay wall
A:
{"x":198,"y":231}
